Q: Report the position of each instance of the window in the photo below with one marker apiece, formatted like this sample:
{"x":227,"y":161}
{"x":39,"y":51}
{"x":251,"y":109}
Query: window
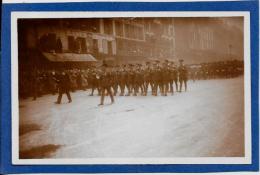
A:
{"x":119,"y":28}
{"x":58,"y":47}
{"x":48,"y":42}
{"x":110,"y":48}
{"x":104,"y":44}
{"x":82,"y":45}
{"x":140,"y":33}
{"x":95,"y":46}
{"x":71,"y":45}
{"x":134,"y":32}
{"x":127,"y":31}
{"x":146,"y":25}
{"x":108,"y":26}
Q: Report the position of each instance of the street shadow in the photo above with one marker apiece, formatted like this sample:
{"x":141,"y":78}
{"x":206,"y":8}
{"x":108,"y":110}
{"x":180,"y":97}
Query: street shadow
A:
{"x":39,"y":152}
{"x":26,"y":128}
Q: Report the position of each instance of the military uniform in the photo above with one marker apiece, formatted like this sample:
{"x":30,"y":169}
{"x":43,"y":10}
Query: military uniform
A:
{"x":183,"y":75}
{"x":130,"y":80}
{"x":64,"y":87}
{"x":166,"y":78}
{"x":106,"y":80}
{"x":122,"y":77}
{"x":156,"y":78}
{"x":138,"y":81}
{"x":94,"y":81}
{"x":147,"y":73}
{"x":115,"y":80}
{"x":174,"y":78}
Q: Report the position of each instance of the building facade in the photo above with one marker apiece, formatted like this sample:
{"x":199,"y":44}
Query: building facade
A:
{"x":133,"y":39}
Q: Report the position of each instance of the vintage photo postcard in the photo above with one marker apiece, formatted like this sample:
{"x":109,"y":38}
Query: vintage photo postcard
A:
{"x":130,"y":87}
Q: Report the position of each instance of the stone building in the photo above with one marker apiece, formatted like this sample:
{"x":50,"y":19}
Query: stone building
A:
{"x":208,"y":39}
{"x":128,"y":39}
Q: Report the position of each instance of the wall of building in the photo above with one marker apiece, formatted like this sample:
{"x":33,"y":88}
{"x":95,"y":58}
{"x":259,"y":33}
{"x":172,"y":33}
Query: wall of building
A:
{"x":206,"y":40}
{"x":192,"y":39}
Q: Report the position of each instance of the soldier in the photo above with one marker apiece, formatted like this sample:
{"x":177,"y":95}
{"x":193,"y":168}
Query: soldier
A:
{"x":156,"y":77}
{"x":64,"y":87}
{"x":94,"y":79}
{"x":171,"y":77}
{"x":138,"y":80}
{"x":166,"y":76}
{"x":122,"y":80}
{"x":115,"y":81}
{"x":130,"y":79}
{"x":175,"y":76}
{"x":147,"y":77}
{"x":183,"y":75}
{"x":105,"y":84}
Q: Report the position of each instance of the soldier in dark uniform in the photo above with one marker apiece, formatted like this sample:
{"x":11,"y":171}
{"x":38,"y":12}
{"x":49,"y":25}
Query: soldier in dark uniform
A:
{"x":166,"y":74}
{"x":183,"y":75}
{"x":94,"y":80}
{"x":147,"y":77}
{"x":115,"y":81}
{"x":64,"y":86}
{"x":142,"y":79}
{"x":138,"y":80}
{"x":170,"y":80}
{"x":156,"y":77}
{"x":122,"y":77}
{"x":105,"y":84}
{"x":174,"y":77}
{"x":130,"y":79}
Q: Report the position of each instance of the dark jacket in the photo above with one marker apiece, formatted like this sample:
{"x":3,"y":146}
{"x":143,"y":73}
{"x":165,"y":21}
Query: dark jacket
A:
{"x":64,"y":82}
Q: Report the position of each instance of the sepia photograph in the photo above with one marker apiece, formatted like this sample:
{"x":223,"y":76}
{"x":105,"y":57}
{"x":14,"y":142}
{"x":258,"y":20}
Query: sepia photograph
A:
{"x":131,"y":88}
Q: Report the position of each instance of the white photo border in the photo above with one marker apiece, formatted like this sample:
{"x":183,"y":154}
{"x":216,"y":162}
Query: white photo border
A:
{"x":247,"y":159}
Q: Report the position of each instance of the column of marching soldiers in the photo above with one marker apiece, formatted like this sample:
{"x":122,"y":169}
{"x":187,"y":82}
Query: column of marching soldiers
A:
{"x":136,"y":79}
{"x":159,"y":77}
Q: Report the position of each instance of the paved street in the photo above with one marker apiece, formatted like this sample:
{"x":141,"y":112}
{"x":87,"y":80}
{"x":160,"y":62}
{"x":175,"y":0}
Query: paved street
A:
{"x":208,"y":120}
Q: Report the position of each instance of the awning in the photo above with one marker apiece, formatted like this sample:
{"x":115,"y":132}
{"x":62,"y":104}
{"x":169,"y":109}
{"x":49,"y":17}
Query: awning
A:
{"x":69,"y":57}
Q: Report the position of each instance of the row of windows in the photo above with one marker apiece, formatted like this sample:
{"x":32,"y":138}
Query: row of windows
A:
{"x":202,"y":39}
{"x":77,"y":44}
{"x":167,"y":29}
{"x":131,"y":31}
{"x":50,"y":42}
{"x":134,"y":32}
